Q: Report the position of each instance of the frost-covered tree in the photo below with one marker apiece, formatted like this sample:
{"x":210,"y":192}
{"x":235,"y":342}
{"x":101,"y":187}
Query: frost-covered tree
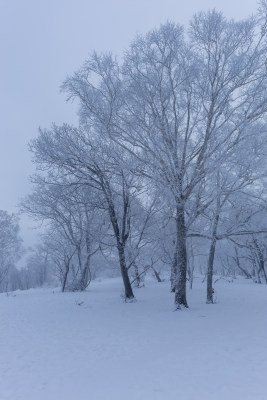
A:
{"x":88,"y":160}
{"x":190,"y":102}
{"x":10,"y":245}
{"x":175,"y":102}
{"x":72,"y":217}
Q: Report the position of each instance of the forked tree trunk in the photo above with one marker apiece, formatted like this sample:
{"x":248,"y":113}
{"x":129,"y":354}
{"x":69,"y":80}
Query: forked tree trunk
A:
{"x":124,"y":273}
{"x":180,"y":281}
{"x":65,"y":275}
{"x":120,"y":236}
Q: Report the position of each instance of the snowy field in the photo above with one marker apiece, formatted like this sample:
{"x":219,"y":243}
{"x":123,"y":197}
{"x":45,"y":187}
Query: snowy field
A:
{"x":55,"y":348}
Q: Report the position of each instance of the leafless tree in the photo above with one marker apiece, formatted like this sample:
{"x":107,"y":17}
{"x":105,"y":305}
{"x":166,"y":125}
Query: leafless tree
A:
{"x":10,"y":245}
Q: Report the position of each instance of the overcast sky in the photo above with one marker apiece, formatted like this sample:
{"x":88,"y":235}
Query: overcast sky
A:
{"x":42,"y":41}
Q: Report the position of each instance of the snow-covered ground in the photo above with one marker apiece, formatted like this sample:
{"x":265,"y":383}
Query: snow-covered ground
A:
{"x":55,"y":348}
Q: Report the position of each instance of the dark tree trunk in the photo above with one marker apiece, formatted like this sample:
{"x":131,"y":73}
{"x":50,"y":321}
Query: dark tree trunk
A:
{"x":157,"y":275}
{"x":210,"y":273}
{"x":85,"y":278}
{"x":191,"y":274}
{"x":86,"y":271}
{"x":121,"y":236}
{"x":258,"y":278}
{"x":237,"y":261}
{"x":260,"y":260}
{"x":210,"y":290}
{"x":261,"y":267}
{"x":139,"y":276}
{"x":124,"y":273}
{"x":65,"y":276}
{"x":137,"y":279}
{"x":174,"y":269}
{"x":180,"y":281}
{"x":263,"y":271}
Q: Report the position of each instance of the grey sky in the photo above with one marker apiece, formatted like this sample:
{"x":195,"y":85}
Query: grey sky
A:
{"x":41,"y":41}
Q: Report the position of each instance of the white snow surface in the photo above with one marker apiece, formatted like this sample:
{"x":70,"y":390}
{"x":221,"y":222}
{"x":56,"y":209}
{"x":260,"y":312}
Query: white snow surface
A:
{"x":52,"y":348}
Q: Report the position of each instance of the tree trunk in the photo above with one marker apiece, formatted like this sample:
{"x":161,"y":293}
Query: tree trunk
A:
{"x":210,"y":290}
{"x":121,"y":237}
{"x":85,"y":277}
{"x":192,"y":273}
{"x":124,"y":273}
{"x":65,"y":276}
{"x":258,"y":279}
{"x":210,"y":273}
{"x":180,"y":281}
{"x":260,"y":261}
{"x":174,"y":269}
{"x":157,"y":275}
{"x":236,"y":259}
{"x":261,"y":268}
{"x":86,"y":271}
{"x":137,"y":280}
